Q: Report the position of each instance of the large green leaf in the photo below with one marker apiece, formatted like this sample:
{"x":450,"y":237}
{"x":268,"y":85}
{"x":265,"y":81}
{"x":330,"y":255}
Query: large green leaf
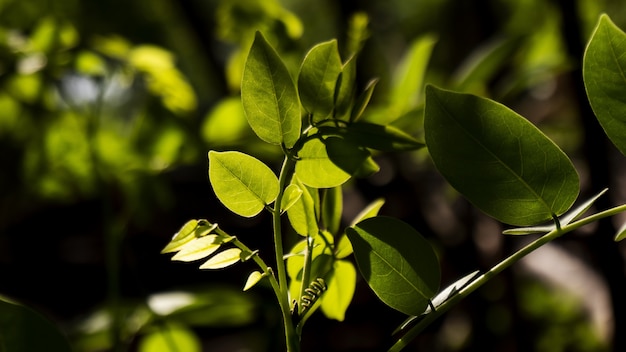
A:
{"x":604,"y":74}
{"x":23,"y":329}
{"x":397,"y":262}
{"x":318,"y":79}
{"x":241,"y":182}
{"x":497,"y":159}
{"x":269,"y":96}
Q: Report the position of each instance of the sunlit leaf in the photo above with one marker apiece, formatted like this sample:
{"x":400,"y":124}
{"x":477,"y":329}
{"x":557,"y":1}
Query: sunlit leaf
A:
{"x":23,"y":329}
{"x":604,"y":65}
{"x":253,"y":279}
{"x":340,"y":290}
{"x":318,"y":78}
{"x":190,"y":230}
{"x":315,"y":169}
{"x":497,"y":159}
{"x":369,"y":211}
{"x":291,"y":195}
{"x":346,"y":88}
{"x":198,"y":248}
{"x":223,"y":259}
{"x":397,"y":262}
{"x":244,"y":184}
{"x":302,"y":215}
{"x":269,"y":96}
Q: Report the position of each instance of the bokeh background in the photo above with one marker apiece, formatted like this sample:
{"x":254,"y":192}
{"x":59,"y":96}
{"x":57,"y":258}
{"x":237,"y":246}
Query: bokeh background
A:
{"x":108,"y":109}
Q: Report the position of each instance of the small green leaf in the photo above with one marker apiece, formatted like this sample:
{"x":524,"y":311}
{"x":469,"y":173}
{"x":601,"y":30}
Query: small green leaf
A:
{"x":604,"y":64}
{"x":269,"y":96}
{"x":241,"y":182}
{"x":340,"y":290}
{"x":223,"y":259}
{"x":332,"y":208}
{"x":363,"y":100}
{"x":253,"y":279}
{"x":198,"y":248}
{"x":621,"y":233}
{"x":369,"y":211}
{"x":397,"y":262}
{"x":291,"y":195}
{"x":302,"y":214}
{"x":184,"y":235}
{"x":497,"y":159}
{"x":318,"y":78}
{"x":345,"y":90}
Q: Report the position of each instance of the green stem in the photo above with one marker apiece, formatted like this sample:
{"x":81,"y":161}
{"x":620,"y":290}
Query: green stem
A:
{"x":482,"y":279}
{"x":291,"y":336}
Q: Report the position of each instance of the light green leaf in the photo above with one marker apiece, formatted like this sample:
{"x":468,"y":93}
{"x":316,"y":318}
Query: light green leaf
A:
{"x":369,"y":211}
{"x":198,"y":248}
{"x":340,"y":290}
{"x":318,"y":78}
{"x":253,"y":279}
{"x":315,"y":169}
{"x":192,"y":229}
{"x":604,"y":67}
{"x":223,"y":259}
{"x":23,"y":329}
{"x":241,"y":182}
{"x":269,"y":96}
{"x":291,"y":195}
{"x":302,"y":214}
{"x":564,"y":220}
{"x":621,"y":233}
{"x":497,"y":159}
{"x":397,"y":262}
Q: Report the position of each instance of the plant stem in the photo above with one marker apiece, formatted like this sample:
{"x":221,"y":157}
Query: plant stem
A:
{"x":291,"y":336}
{"x":482,"y":279}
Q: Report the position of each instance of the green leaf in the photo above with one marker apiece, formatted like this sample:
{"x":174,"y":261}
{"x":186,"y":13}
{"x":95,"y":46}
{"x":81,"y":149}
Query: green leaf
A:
{"x":302,"y":214}
{"x":318,"y":78}
{"x":340,"y":290}
{"x":350,"y":157}
{"x":345,"y":90}
{"x":269,"y":96}
{"x":198,"y":248}
{"x":184,"y":235}
{"x":370,"y":135}
{"x":604,"y":65}
{"x":363,"y":100}
{"x":621,"y":233}
{"x":409,"y":77}
{"x":241,"y":182}
{"x":291,"y":195}
{"x":223,"y":259}
{"x":564,"y":220}
{"x":369,"y":211}
{"x":397,"y":262}
{"x":315,"y":169}
{"x":332,"y":208}
{"x":23,"y":329}
{"x":253,"y":279}
{"x":170,"y":338}
{"x":497,"y":159}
